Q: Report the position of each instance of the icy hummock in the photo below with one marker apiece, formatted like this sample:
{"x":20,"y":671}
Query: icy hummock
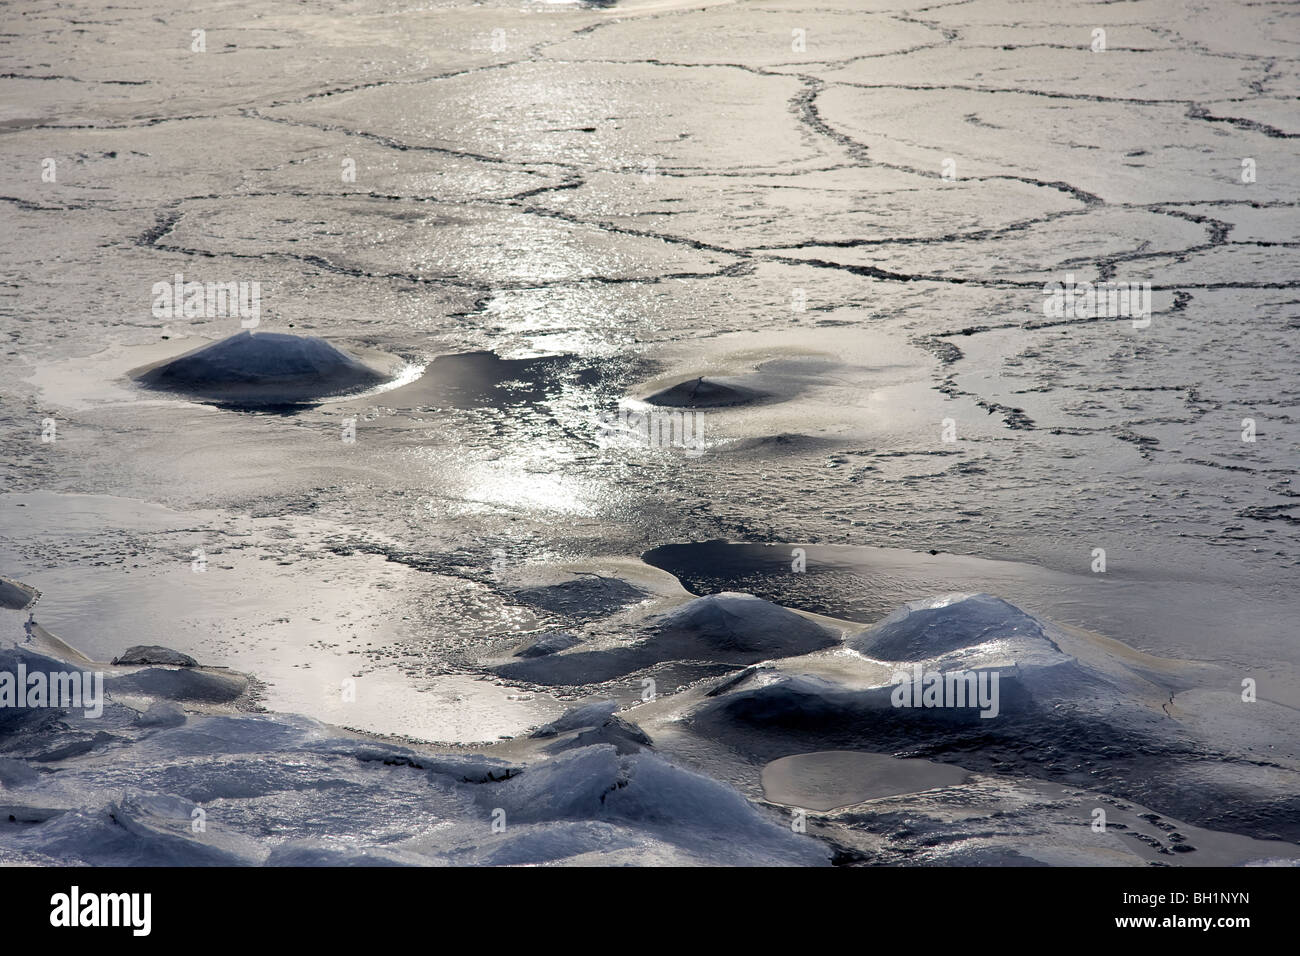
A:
{"x":1071,"y":708}
{"x":548,"y":644}
{"x":594,"y":723}
{"x":743,"y":626}
{"x":704,"y":393}
{"x":728,"y":628}
{"x":262,"y":368}
{"x":154,"y":654}
{"x":958,"y":626}
{"x":17,"y":596}
{"x":158,"y":781}
{"x":178,"y":771}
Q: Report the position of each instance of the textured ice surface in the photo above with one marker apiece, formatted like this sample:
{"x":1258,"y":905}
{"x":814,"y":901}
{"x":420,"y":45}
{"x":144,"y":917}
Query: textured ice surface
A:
{"x":550,"y":644}
{"x":160,"y":787}
{"x":1070,"y":708}
{"x":172,"y":775}
{"x":598,"y":203}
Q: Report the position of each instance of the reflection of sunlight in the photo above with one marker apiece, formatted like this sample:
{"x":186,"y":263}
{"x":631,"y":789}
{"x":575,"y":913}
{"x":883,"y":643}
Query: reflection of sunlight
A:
{"x":634,"y":6}
{"x":522,"y":457}
{"x":513,"y":247}
{"x":512,"y":486}
{"x":581,"y":320}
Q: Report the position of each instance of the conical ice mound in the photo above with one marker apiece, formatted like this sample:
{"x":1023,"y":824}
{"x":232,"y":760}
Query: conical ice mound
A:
{"x":262,"y":369}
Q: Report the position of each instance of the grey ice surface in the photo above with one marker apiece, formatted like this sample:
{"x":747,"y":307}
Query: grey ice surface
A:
{"x":545,"y":213}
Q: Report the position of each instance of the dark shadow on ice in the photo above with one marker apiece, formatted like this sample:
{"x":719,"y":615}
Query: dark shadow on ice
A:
{"x":583,"y":598}
{"x":180,"y":685}
{"x":479,"y":379}
{"x":548,"y":644}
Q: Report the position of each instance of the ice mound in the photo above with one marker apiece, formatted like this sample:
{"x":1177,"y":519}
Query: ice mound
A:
{"x":959,"y":625}
{"x":590,"y":724}
{"x":17,"y":596}
{"x":264,"y":368}
{"x":728,"y":628}
{"x":789,"y":712}
{"x":180,"y":685}
{"x":962,"y":667}
{"x":218,"y":787}
{"x":702,"y":819}
{"x":154,"y":654}
{"x":744,"y":625}
{"x":1061,"y":706}
{"x":16,"y":773}
{"x":550,"y":644}
{"x":289,"y":804}
{"x":704,"y":393}
{"x":582,"y":716}
{"x":162,"y":713}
